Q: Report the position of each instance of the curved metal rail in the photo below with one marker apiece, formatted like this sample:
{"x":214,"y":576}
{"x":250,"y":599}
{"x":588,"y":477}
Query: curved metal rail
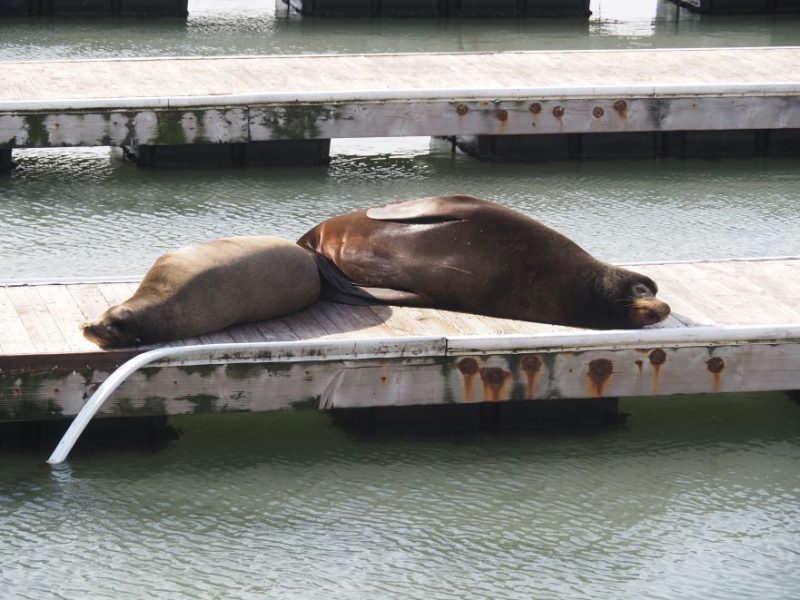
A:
{"x":419,"y":346}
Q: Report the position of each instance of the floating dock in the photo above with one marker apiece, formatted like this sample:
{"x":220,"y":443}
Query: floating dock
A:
{"x":93,"y":8}
{"x":512,"y":105}
{"x":740,"y":7}
{"x":296,"y":9}
{"x":735,"y":327}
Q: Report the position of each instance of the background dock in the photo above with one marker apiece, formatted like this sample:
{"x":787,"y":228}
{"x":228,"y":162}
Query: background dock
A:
{"x":514,"y":105}
{"x":736,"y":328}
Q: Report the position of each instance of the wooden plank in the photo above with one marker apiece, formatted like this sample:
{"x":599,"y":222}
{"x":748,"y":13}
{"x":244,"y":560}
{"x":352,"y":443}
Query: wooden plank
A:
{"x":408,"y":320}
{"x":41,"y":327}
{"x":65,"y":312}
{"x":681,"y":293}
{"x":115,"y":293}
{"x":276,"y":330}
{"x":730,"y":306}
{"x":89,"y":299}
{"x":338,"y":328}
{"x":14,"y":338}
{"x":761,"y":295}
{"x":227,"y":76}
{"x":305,"y":326}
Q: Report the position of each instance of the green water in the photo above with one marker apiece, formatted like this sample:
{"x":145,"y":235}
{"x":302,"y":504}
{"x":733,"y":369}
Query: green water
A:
{"x":697,"y":497}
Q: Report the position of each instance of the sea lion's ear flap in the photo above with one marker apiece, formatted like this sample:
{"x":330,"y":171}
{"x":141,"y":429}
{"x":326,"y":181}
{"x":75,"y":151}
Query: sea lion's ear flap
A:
{"x":436,"y":209}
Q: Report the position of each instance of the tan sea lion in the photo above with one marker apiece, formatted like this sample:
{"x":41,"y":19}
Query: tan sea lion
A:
{"x":466,"y":254}
{"x":206,"y":287}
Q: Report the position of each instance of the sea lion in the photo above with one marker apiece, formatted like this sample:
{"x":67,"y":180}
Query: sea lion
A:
{"x":206,"y":287}
{"x":467,"y":254}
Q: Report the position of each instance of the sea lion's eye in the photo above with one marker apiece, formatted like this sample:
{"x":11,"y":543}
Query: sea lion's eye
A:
{"x":641,"y":289}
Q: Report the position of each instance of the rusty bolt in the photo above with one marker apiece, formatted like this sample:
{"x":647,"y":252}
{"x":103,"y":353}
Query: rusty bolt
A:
{"x":468,"y":366}
{"x":715,"y":364}
{"x":462,"y":109}
{"x":658,"y":357}
{"x":535,"y":108}
{"x":598,"y":112}
{"x":620,"y":106}
{"x":531,"y":364}
{"x":501,"y":115}
{"x":558,"y":112}
{"x":493,"y":376}
{"x":600,"y":369}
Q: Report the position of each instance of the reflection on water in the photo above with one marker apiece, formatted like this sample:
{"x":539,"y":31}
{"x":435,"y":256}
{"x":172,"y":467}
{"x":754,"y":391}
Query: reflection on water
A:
{"x":84,"y":213}
{"x":697,"y":497}
{"x":233,"y":27}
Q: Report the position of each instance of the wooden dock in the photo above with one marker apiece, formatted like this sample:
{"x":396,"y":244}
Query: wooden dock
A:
{"x":736,"y":328}
{"x":549,"y":105}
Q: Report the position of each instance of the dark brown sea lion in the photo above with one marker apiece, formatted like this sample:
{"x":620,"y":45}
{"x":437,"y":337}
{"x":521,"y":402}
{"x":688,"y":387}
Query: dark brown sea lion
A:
{"x":206,"y":287}
{"x":466,"y":254}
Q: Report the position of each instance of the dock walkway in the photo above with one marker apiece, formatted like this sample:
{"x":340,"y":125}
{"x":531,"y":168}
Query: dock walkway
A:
{"x":736,"y":328}
{"x":749,"y":98}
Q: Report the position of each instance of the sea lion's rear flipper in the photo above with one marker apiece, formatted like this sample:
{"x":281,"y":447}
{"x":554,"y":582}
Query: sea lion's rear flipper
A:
{"x":337,"y":287}
{"x":397,"y":297}
{"x":436,"y":209}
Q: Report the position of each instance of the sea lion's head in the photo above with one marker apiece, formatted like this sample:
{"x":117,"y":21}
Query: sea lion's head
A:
{"x":631,"y":301}
{"x":115,"y":328}
{"x":622,"y":299}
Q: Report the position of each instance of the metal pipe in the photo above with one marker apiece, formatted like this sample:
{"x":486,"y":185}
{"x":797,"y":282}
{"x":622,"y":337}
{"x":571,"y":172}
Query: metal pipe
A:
{"x":261,"y":352}
{"x":418,"y":347}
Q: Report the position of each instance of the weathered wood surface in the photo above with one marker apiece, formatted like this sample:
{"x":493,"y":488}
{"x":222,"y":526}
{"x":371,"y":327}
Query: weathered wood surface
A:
{"x":341,"y":356}
{"x":255,"y":99}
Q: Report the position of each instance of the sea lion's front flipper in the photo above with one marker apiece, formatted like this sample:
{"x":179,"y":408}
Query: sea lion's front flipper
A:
{"x":436,"y":209}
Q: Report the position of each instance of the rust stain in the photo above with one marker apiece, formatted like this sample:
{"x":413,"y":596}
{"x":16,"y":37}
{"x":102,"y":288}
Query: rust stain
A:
{"x":462,"y":109}
{"x":468,"y":368}
{"x":532,"y":366}
{"x":494,"y":383}
{"x":639,"y":364}
{"x":600,"y":370}
{"x":598,"y":112}
{"x":657,"y":358}
{"x":383,"y":379}
{"x":621,"y":107}
{"x":716,"y":365}
{"x":502,"y":116}
{"x":558,"y":113}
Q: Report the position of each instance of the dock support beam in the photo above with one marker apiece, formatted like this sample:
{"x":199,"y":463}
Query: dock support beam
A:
{"x":5,"y":160}
{"x":94,"y":8}
{"x":488,"y":417}
{"x":744,"y":143}
{"x":295,"y":9}
{"x":729,"y":7}
{"x":282,"y":152}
